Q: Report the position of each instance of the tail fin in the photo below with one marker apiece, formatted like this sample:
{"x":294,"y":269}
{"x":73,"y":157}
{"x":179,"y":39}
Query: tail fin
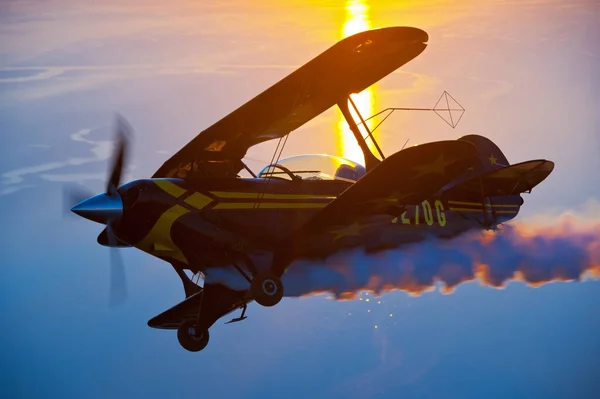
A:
{"x":490,"y":155}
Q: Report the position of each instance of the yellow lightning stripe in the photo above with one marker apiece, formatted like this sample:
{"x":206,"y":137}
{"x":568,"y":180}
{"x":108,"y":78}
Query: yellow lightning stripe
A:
{"x":158,"y":241}
{"x":230,"y":194}
{"x":170,"y":188}
{"x":198,"y":200}
{"x":267,"y":205}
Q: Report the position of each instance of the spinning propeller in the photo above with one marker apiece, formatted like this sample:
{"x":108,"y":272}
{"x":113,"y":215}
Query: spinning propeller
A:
{"x":107,"y":208}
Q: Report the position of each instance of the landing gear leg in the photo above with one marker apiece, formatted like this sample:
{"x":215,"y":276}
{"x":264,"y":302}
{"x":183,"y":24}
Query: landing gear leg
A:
{"x":189,"y":286}
{"x":190,"y":334}
{"x":235,"y":258}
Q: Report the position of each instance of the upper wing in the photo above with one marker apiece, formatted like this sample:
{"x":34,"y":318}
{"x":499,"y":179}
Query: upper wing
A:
{"x":350,"y":66}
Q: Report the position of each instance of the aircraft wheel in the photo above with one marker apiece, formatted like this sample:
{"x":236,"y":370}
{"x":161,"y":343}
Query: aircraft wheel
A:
{"x":266,"y":289}
{"x":186,"y":335}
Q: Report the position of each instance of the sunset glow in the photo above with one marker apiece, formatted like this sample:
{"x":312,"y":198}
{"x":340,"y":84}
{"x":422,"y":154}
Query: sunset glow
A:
{"x":357,"y":20}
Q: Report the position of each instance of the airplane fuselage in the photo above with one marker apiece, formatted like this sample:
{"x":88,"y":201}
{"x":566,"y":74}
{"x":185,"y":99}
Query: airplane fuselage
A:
{"x":203,"y":223}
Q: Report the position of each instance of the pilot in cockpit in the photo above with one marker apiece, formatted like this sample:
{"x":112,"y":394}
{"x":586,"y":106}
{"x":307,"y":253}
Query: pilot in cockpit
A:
{"x":348,"y":173}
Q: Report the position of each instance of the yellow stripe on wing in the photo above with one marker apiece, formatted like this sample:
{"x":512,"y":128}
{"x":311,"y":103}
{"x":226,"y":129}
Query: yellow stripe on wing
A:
{"x":465,"y":203}
{"x":231,"y":194}
{"x":481,"y":210}
{"x":481,"y":204}
{"x":268,"y":205}
{"x":466,"y":210}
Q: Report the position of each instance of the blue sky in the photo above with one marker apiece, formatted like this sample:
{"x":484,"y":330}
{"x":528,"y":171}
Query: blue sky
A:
{"x":525,"y":71}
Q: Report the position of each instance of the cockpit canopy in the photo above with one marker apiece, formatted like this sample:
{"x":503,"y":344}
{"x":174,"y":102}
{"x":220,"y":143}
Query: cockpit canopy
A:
{"x":314,"y":167}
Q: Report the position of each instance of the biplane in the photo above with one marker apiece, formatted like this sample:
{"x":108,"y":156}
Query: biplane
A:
{"x":198,"y":214}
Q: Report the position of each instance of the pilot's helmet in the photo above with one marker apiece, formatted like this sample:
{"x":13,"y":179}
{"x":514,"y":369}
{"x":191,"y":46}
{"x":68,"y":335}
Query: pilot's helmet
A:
{"x":347,"y":172}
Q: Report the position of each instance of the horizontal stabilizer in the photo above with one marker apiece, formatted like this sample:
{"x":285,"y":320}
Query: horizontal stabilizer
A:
{"x":517,"y":178}
{"x":511,"y":180}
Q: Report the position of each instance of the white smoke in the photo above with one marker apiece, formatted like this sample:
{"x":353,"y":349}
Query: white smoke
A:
{"x":538,"y":250}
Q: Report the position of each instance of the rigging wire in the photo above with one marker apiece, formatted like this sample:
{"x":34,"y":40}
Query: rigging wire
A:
{"x":274,"y":161}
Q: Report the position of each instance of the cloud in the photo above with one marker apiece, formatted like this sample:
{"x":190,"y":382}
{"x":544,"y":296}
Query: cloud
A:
{"x":101,"y":151}
{"x":43,"y":82}
{"x":36,"y":74}
{"x":14,"y":189}
{"x":16,"y":176}
{"x":493,"y":88}
{"x":73,"y":177}
{"x":531,"y":252}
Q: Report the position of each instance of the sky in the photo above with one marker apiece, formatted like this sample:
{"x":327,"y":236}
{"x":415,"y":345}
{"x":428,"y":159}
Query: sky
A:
{"x":526,"y":73}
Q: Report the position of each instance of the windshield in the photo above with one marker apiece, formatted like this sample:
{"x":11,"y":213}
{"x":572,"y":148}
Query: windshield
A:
{"x":315,"y":167}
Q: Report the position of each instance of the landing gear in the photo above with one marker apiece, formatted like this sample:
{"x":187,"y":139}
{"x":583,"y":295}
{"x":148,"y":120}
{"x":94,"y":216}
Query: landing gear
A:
{"x":189,"y":338}
{"x":266,"y":289}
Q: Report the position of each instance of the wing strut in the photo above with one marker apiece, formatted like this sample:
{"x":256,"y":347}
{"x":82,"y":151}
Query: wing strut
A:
{"x":370,"y":159}
{"x":369,"y":132}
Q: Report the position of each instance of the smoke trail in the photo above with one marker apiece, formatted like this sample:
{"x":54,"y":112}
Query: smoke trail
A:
{"x":533,"y":252}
